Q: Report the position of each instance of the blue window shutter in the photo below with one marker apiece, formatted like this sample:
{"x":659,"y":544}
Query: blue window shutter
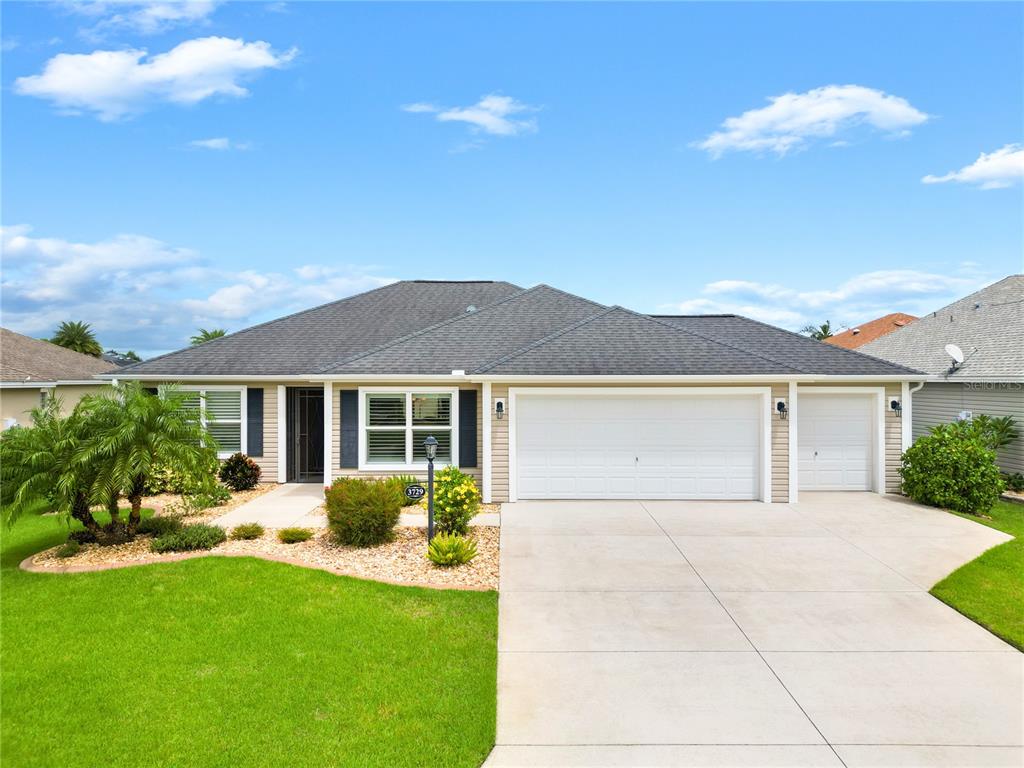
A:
{"x":349,"y":428}
{"x":254,"y":419}
{"x":467,"y":427}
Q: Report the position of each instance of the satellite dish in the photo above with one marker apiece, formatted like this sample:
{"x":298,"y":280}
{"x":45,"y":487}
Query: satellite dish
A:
{"x":956,"y":353}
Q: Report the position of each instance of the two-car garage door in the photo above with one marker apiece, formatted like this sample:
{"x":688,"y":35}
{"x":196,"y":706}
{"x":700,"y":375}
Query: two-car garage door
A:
{"x":638,"y":447}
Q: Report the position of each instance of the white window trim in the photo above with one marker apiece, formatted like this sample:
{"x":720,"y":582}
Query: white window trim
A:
{"x":409,"y":464}
{"x":764,"y":393}
{"x":878,"y":478}
{"x":243,"y":411}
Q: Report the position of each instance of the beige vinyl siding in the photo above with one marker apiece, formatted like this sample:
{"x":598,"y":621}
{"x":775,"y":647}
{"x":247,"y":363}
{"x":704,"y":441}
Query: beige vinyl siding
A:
{"x":780,"y":448}
{"x":268,"y":461}
{"x":336,"y":469}
{"x":941,"y":403}
{"x":893,"y":440}
{"x":16,"y":402}
{"x":499,"y":445}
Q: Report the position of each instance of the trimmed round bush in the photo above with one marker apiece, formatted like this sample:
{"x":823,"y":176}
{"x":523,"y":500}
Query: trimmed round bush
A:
{"x":247,"y":532}
{"x":189,"y":538}
{"x":362,"y":513}
{"x":447,"y":550}
{"x":952,"y":468}
{"x":159,"y":525}
{"x":456,"y":501}
{"x":294,"y":535}
{"x":239,"y":472}
{"x":69,"y":548}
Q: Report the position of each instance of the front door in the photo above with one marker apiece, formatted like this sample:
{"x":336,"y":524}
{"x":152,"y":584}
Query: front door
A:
{"x":305,"y":459}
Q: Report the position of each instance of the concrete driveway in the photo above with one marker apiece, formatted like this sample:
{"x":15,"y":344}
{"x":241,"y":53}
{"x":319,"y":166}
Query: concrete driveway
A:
{"x":716,"y":633}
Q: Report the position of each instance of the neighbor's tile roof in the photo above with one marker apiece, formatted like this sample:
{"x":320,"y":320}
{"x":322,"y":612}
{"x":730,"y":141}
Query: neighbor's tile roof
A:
{"x":861,"y":334}
{"x":800,"y":353}
{"x":24,"y":359}
{"x":987,"y":325}
{"x":307,"y":341}
{"x":472,"y":340}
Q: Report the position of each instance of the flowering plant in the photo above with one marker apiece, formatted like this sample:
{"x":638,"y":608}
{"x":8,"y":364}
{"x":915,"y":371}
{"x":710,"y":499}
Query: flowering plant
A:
{"x":456,"y":501}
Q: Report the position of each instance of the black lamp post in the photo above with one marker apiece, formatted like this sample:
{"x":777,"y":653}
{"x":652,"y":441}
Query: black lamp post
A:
{"x":430,"y":448}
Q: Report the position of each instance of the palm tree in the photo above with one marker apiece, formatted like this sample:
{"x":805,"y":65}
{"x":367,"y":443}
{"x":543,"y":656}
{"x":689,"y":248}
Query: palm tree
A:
{"x":205,"y":335}
{"x":819,"y":332}
{"x":134,"y":432}
{"x":78,"y":337}
{"x":42,"y":464}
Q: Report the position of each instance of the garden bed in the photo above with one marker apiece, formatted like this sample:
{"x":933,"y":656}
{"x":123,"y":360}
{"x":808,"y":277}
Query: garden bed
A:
{"x":160,"y":502}
{"x":402,"y":561}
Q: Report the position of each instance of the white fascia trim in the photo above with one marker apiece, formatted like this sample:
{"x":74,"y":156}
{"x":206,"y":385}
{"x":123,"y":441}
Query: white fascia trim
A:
{"x":485,"y":415}
{"x":282,"y":433}
{"x":765,"y":393}
{"x":879,"y":427}
{"x":170,"y":378}
{"x":794,"y":456}
{"x":723,"y":380}
{"x":328,"y":432}
{"x":29,"y":384}
{"x":435,"y":378}
{"x":409,"y":465}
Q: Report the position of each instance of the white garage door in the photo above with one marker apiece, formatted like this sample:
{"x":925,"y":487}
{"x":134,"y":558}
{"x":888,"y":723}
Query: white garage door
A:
{"x":835,"y":435}
{"x":646,"y":447}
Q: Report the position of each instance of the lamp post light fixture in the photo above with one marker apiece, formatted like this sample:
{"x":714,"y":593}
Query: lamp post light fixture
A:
{"x":430,"y":449}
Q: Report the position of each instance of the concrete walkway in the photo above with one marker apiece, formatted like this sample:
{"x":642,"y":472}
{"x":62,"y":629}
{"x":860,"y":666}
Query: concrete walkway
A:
{"x":742,"y":634}
{"x":290,"y":504}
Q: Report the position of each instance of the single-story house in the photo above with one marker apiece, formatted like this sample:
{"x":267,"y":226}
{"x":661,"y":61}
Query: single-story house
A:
{"x":859,"y":335}
{"x":32,"y":370}
{"x":540,"y":394}
{"x":986,"y":331}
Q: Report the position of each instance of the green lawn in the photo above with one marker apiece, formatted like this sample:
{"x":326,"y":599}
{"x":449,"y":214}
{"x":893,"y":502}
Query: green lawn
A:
{"x":990,"y":589}
{"x":231,"y":661}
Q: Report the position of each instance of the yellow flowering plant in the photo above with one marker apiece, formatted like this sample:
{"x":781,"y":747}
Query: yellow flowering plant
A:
{"x":456,"y":501}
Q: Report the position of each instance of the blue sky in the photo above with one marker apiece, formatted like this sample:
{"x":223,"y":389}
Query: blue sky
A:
{"x":168,"y":166}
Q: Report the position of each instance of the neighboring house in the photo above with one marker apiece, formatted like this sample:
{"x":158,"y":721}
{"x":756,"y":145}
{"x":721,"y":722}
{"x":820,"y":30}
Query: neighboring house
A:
{"x":988,"y":327}
{"x":32,"y":370}
{"x":540,"y":394}
{"x":852,"y":338}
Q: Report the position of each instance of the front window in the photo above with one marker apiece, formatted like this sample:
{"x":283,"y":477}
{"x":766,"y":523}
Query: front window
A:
{"x":395,"y":425}
{"x":220,"y":412}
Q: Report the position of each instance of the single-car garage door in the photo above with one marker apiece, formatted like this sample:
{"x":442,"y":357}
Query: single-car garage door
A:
{"x":835,"y":436}
{"x":637,"y":447}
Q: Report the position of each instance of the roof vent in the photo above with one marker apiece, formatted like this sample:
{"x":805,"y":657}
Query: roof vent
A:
{"x":471,"y":308}
{"x":856,"y":331}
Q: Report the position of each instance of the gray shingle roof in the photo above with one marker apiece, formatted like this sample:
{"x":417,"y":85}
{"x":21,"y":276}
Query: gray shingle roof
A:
{"x":620,"y":342}
{"x":987,"y":325}
{"x":308,"y":340}
{"x":801,"y":353}
{"x":24,"y":359}
{"x":470,"y":341}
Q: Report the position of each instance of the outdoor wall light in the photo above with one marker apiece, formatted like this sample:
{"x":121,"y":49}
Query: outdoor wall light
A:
{"x":896,"y":407}
{"x":430,"y":448}
{"x":780,"y":407}
{"x":499,"y":409}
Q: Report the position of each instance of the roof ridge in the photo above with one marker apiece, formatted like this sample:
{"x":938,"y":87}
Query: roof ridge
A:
{"x":833,"y":346}
{"x":443,"y":323}
{"x":544,"y":340}
{"x":975,"y":293}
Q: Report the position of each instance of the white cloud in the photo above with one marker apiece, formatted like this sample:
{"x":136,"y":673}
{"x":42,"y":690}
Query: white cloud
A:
{"x":793,"y":119}
{"x":116,"y":84}
{"x":221,"y":143}
{"x":990,"y":171}
{"x":859,"y":299}
{"x":143,"y":294}
{"x":148,"y":17}
{"x":494,"y":114}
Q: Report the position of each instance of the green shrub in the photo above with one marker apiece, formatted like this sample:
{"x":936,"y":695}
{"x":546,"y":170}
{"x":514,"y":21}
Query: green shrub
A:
{"x":69,"y":548}
{"x":247,"y":531}
{"x":447,"y":550}
{"x":191,"y":537}
{"x":166,"y":478}
{"x":995,"y":431}
{"x":213,"y":496}
{"x":362,"y":513}
{"x":456,"y":501}
{"x":1014,"y":481}
{"x":159,"y":525}
{"x":294,"y":535}
{"x":82,"y":537}
{"x":952,"y":468}
{"x":239,"y":472}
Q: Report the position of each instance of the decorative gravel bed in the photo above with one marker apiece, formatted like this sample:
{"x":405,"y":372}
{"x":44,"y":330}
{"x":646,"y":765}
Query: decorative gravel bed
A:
{"x":403,"y":561}
{"x":161,"y":501}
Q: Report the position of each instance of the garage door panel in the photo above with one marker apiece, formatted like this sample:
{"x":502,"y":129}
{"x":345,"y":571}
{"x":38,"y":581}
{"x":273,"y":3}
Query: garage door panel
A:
{"x":835,"y":434}
{"x":638,"y":447}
